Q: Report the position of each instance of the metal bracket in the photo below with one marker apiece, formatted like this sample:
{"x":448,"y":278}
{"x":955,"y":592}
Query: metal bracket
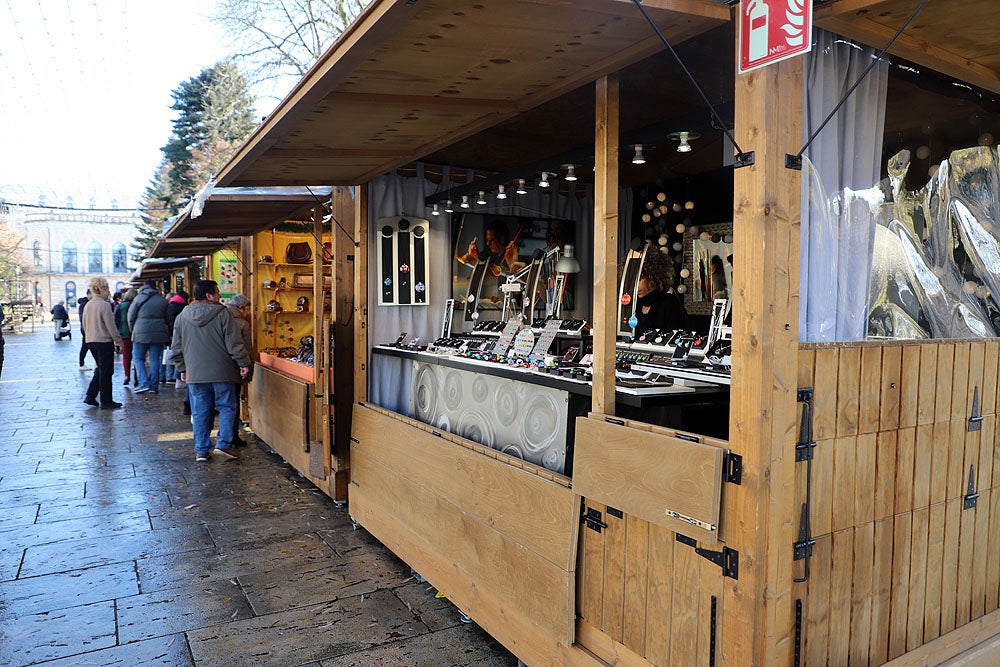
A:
{"x":712,"y":629}
{"x":971,"y":498}
{"x":728,"y":559}
{"x":732,"y":468}
{"x":793,"y":162}
{"x":976,"y":419}
{"x":746,"y":159}
{"x":615,"y":512}
{"x":804,"y":450}
{"x":798,"y":633}
{"x":593,"y":520}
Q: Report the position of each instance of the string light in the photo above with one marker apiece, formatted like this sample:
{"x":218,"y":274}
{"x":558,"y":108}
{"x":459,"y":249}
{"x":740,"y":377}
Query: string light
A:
{"x":638,"y":158}
{"x":448,"y":207}
{"x":544,"y":183}
{"x":482,"y":198}
{"x":520,"y":187}
{"x":501,"y":194}
{"x":465,"y":201}
{"x":570,"y":172}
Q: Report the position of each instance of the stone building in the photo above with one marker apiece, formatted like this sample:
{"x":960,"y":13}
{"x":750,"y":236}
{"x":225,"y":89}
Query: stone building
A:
{"x":65,"y":247}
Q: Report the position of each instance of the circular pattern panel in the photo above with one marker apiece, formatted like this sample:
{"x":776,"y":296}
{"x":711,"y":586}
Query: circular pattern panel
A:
{"x":425,"y":392}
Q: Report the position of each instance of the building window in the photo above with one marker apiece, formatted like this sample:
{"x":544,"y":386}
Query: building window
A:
{"x":69,"y":202}
{"x":69,"y":264}
{"x":95,"y":261}
{"x":36,"y":254}
{"x":119,"y":258}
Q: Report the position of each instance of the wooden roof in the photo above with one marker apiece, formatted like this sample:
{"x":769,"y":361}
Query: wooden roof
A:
{"x":229,"y":212}
{"x":158,"y":268}
{"x":410,"y":78}
{"x":191,"y":247}
{"x":956,"y":37}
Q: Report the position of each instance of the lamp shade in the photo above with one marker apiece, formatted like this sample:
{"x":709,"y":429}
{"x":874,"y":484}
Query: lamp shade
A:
{"x":568,"y":263}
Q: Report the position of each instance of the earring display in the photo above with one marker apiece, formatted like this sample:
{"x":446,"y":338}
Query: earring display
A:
{"x":402,"y":260}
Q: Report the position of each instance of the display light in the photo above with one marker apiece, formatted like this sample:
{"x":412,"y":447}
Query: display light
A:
{"x":465,"y":201}
{"x":568,"y":263}
{"x":482,"y":198}
{"x":435,"y":210}
{"x":520,"y":187}
{"x":544,"y":183}
{"x":638,"y":158}
{"x":570,"y":172}
{"x":501,"y":193}
{"x":448,"y":207}
{"x":684,"y":138}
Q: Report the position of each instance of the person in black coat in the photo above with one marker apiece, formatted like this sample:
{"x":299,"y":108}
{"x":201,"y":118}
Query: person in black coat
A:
{"x":657,"y":307}
{"x":80,"y":303}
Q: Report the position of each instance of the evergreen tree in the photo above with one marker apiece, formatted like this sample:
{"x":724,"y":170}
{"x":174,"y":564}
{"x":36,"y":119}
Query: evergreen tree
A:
{"x":215,"y":116}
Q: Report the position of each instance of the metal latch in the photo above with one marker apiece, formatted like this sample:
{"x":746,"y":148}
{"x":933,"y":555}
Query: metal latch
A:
{"x":592,"y":518}
{"x":728,"y":559}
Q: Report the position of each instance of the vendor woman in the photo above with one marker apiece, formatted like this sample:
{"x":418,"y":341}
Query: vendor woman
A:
{"x":657,"y":306}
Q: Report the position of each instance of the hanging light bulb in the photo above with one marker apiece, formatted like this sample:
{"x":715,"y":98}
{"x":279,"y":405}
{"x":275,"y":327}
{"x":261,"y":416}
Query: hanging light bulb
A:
{"x":639,"y":158}
{"x":465,"y":201}
{"x":501,"y":193}
{"x":520,"y":187}
{"x":435,"y":210}
{"x":482,"y":198}
{"x":683,"y":138}
{"x":544,"y":183}
{"x":448,"y":208}
{"x":570,"y":172}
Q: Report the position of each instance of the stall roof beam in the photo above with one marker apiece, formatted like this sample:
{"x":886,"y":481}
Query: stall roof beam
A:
{"x":411,"y":78}
{"x":955,"y":38}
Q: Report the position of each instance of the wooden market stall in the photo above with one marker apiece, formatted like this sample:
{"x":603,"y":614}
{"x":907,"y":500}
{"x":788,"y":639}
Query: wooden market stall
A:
{"x":850,"y":514}
{"x":284,"y":263}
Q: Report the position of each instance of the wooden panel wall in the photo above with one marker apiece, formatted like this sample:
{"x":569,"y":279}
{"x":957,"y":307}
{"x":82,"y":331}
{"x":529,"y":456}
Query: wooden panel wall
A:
{"x":497,"y":540}
{"x":898,"y":561}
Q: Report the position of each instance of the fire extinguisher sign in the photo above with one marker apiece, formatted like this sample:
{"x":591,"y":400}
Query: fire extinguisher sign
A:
{"x":772,"y":30}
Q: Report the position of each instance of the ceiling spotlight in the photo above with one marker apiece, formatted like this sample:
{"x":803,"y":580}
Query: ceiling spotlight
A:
{"x":501,"y":194}
{"x":465,"y":201}
{"x":639,"y":158}
{"x":482,"y":198}
{"x":435,"y":210}
{"x":683,"y":138}
{"x":448,"y":208}
{"x":520,"y":187}
{"x":570,"y":172}
{"x":544,"y":183}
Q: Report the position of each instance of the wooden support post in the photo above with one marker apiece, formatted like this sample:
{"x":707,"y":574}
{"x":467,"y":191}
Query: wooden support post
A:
{"x":761,"y":517}
{"x":605,"y":243}
{"x":361,"y":293}
{"x":316,"y":302}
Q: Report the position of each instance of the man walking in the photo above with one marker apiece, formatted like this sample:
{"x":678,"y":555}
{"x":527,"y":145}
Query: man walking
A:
{"x":147,"y":320}
{"x":209,"y":354}
{"x":80,"y":303}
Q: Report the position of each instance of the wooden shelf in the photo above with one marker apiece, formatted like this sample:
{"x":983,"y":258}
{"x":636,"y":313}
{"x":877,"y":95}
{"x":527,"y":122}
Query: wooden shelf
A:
{"x":289,"y":312}
{"x":281,"y":264}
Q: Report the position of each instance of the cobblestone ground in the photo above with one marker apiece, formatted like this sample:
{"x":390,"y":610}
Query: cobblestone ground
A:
{"x":117,"y":549}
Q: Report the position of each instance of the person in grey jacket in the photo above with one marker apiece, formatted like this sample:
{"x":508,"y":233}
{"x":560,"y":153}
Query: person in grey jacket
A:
{"x":147,"y":320}
{"x":239,"y":308}
{"x":209,"y":353}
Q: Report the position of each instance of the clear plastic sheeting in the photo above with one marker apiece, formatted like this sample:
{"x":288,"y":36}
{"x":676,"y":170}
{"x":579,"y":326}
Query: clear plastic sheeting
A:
{"x":936,"y":262}
{"x":840,"y":241}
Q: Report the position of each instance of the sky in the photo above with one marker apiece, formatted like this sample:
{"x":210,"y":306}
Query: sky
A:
{"x":85,"y":93}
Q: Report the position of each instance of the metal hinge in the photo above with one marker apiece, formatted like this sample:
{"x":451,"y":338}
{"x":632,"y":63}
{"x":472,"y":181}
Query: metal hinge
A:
{"x":976,"y":419}
{"x":728,"y":559}
{"x":713,"y":623}
{"x":732,"y":468}
{"x":971,"y":497}
{"x":592,"y":518}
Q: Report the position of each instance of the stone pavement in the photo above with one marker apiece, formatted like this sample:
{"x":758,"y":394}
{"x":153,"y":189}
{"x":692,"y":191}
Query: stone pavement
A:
{"x":117,"y":549}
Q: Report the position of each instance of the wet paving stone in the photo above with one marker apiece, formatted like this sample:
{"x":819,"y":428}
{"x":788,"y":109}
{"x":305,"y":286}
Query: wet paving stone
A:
{"x":464,"y":646}
{"x":103,"y":505}
{"x":169,"y":651}
{"x":12,"y":517}
{"x":159,"y":561}
{"x":77,"y":554}
{"x":178,"y":609}
{"x":76,"y":529}
{"x":307,"y":633}
{"x":34,"y":595}
{"x":27,"y":640}
{"x":296,"y":586}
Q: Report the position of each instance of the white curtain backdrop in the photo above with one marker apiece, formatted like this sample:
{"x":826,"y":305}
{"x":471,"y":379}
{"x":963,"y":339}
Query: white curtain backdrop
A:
{"x":393,"y":195}
{"x":837,"y":243}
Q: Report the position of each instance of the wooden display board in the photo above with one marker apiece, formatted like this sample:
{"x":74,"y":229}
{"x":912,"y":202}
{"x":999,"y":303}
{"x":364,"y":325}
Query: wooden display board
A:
{"x":279,"y":411}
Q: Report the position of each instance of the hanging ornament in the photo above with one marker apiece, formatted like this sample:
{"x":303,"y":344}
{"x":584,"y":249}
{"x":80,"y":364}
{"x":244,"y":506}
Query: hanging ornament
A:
{"x":682,"y":288}
{"x":689,"y":205}
{"x":680,"y":228}
{"x":677,"y":207}
{"x":661,"y":196}
{"x":685,"y":272}
{"x":677,"y":246}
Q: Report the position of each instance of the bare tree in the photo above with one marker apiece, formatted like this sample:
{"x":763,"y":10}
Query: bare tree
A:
{"x":274,"y":39}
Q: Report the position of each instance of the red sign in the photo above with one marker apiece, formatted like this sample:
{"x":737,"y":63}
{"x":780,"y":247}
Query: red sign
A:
{"x":772,"y":30}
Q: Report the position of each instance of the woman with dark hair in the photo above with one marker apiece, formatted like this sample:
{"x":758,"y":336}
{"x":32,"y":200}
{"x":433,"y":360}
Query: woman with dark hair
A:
{"x":657,"y":307}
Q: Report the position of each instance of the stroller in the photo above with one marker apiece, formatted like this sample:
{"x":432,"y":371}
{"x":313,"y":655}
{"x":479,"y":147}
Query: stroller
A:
{"x":63,"y":330}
